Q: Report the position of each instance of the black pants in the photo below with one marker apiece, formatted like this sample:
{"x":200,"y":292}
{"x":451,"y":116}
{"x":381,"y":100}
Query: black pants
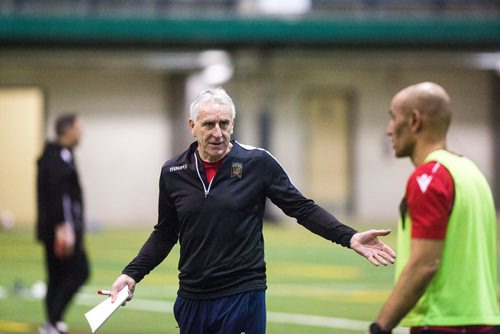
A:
{"x":65,"y":276}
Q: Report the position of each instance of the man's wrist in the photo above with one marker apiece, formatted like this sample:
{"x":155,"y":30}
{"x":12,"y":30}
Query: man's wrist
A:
{"x":376,"y":329}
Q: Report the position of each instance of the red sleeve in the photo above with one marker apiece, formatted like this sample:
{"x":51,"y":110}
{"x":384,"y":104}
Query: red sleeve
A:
{"x":429,"y":196}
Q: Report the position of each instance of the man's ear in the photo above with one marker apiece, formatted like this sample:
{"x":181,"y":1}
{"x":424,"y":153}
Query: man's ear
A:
{"x":415,"y":120}
{"x":191,"y":125}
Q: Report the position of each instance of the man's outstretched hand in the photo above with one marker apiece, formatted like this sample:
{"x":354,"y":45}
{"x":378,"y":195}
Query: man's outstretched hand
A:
{"x":367,"y":244}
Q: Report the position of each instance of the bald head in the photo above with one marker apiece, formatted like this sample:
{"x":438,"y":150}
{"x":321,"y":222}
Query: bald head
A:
{"x":431,"y":101}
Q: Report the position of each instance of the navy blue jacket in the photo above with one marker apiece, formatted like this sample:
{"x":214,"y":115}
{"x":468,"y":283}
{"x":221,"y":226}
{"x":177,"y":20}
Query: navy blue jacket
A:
{"x":219,"y":225}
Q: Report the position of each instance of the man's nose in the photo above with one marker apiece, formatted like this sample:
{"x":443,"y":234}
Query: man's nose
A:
{"x":388,"y":129}
{"x":217,"y":131}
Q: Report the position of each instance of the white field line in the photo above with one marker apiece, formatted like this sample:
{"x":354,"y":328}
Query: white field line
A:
{"x":278,"y":317}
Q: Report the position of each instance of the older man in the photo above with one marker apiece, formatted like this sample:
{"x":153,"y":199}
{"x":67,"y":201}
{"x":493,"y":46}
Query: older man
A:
{"x":212,"y":200}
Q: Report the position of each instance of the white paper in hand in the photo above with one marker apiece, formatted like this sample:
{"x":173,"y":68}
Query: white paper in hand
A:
{"x":99,"y":314}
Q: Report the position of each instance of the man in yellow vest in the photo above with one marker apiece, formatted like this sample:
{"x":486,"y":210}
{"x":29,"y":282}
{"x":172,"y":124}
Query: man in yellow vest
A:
{"x":446,"y":271}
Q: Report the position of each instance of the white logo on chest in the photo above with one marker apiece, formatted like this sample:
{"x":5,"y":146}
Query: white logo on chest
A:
{"x":176,"y":168}
{"x":423,"y":182}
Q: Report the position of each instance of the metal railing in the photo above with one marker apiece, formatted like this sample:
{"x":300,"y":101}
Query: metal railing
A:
{"x":159,"y":8}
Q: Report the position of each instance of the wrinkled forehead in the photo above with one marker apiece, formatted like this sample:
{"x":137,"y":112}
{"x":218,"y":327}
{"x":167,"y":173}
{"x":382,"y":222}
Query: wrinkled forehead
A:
{"x":214,"y":110}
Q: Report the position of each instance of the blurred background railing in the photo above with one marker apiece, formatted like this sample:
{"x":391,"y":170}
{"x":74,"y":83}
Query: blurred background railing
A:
{"x":239,"y":23}
{"x":314,"y":8}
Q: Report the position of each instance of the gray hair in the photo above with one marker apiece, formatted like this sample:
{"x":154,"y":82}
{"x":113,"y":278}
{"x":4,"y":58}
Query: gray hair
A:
{"x":217,"y":95}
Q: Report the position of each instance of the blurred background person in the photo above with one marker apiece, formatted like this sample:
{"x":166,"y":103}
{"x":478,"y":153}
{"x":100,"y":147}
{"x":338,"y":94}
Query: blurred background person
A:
{"x":61,"y":222}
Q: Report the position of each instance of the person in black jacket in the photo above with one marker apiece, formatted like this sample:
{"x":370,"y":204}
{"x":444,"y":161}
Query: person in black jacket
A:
{"x":60,"y":222}
{"x":212,"y":200}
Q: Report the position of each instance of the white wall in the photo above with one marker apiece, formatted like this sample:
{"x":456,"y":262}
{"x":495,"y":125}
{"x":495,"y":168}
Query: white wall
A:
{"x":379,"y":179}
{"x":125,"y":142}
{"x":127,"y":125}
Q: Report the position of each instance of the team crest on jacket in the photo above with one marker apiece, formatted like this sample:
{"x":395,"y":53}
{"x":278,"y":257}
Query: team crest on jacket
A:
{"x":237,"y":170}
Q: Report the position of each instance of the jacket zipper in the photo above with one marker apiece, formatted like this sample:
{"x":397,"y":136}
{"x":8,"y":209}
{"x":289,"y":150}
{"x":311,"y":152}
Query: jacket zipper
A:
{"x":205,"y":189}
